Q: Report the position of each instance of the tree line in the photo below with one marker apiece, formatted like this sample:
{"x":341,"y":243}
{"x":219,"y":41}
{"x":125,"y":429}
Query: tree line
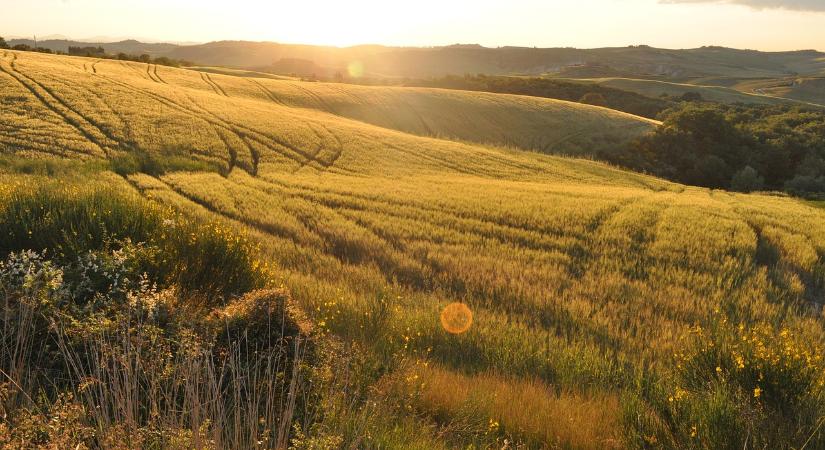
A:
{"x":738,"y":147}
{"x":100,"y":52}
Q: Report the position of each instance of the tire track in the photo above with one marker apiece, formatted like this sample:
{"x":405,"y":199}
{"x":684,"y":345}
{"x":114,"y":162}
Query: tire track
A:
{"x":57,"y":106}
{"x":321,"y":102}
{"x":155,"y":71}
{"x":99,"y":126}
{"x":292,"y":152}
{"x":266,"y":91}
{"x":149,"y":73}
{"x":218,"y":87}
{"x":203,"y":77}
{"x":187,"y":111}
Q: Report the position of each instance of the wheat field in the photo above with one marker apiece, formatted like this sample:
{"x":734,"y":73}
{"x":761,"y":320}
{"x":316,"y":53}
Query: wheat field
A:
{"x":583,"y":280}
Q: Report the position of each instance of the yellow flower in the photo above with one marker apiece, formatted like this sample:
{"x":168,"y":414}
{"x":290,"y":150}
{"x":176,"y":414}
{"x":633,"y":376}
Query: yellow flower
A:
{"x":693,"y":431}
{"x":740,"y":362}
{"x":718,"y":370}
{"x":757,"y":392}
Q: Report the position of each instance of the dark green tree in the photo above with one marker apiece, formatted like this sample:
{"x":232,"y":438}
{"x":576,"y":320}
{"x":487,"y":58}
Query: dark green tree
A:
{"x":747,"y":180}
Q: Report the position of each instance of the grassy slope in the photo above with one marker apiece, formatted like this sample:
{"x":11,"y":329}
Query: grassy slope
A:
{"x":653,"y":88}
{"x":114,"y":105}
{"x":803,"y":89}
{"x":578,"y":274}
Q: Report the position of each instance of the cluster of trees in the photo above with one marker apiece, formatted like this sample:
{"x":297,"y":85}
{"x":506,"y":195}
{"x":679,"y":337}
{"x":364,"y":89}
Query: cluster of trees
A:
{"x":739,"y":147}
{"x":23,"y":47}
{"x":100,"y":52}
{"x":87,"y":51}
{"x":581,"y":92}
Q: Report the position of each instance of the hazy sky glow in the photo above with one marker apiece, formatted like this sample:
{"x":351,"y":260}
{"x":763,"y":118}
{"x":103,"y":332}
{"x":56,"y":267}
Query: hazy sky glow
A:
{"x":760,"y":24}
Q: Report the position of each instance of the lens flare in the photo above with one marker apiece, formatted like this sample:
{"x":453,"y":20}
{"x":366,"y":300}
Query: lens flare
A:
{"x":456,"y":318}
{"x":355,"y":69}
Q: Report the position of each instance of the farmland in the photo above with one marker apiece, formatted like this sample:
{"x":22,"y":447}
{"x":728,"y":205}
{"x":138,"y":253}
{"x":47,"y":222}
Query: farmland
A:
{"x":610,"y":309}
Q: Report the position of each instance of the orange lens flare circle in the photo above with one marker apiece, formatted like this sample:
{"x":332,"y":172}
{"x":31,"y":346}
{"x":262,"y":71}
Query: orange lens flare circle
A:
{"x":456,"y":318}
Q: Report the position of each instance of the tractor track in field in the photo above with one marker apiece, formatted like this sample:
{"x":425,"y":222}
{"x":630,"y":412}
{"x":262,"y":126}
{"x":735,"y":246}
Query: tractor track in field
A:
{"x":262,"y":227}
{"x":266,"y":91}
{"x":132,"y":68}
{"x":149,"y":73}
{"x":391,"y":204}
{"x":124,"y":123}
{"x":157,"y":75}
{"x":215,"y":83}
{"x":324,"y":106}
{"x":211,"y":83}
{"x":203,"y":78}
{"x":432,"y":159}
{"x":48,"y":99}
{"x":215,"y":123}
{"x":243,"y":133}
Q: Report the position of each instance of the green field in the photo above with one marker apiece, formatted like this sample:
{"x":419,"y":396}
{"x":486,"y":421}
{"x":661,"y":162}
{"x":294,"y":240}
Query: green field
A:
{"x":719,"y":94}
{"x":610,"y":309}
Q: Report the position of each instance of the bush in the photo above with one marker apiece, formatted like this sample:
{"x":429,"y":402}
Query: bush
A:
{"x":207,"y":260}
{"x":805,"y":185}
{"x":747,"y":180}
{"x":593,"y":98}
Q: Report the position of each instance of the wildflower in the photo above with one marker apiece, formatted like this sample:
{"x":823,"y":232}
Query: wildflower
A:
{"x":740,"y":362}
{"x":693,"y":431}
{"x":757,"y":392}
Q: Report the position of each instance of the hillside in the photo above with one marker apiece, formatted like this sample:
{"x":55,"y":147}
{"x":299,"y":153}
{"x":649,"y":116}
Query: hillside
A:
{"x":655,"y":88}
{"x":642,"y":61}
{"x":458,"y":60}
{"x":610,"y":309}
{"x":803,"y":89}
{"x":233,"y":118}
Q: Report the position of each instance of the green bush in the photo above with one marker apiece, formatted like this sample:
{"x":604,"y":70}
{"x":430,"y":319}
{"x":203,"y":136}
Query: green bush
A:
{"x":207,"y":260}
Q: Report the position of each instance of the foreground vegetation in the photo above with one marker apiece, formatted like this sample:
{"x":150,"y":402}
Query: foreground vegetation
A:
{"x":610,"y":309}
{"x":125,"y":325}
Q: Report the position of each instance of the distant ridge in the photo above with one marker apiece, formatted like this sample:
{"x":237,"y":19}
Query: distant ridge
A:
{"x":381,"y":61}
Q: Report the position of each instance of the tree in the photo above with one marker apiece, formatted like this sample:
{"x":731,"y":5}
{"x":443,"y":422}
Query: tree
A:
{"x":691,"y":97}
{"x":747,"y":180}
{"x":593,"y":98}
{"x":3,"y":43}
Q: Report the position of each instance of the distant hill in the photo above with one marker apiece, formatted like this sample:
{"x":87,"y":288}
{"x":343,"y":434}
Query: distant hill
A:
{"x":790,"y":74}
{"x":634,"y":61}
{"x":459,"y":59}
{"x":131,"y":46}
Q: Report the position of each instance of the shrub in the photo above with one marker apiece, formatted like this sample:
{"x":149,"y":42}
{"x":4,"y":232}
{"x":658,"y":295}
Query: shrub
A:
{"x":594,"y":98}
{"x":205,"y":260}
{"x":804,"y":185}
{"x":747,"y":180}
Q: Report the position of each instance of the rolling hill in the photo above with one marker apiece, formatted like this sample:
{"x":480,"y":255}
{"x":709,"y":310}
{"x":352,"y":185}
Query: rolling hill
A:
{"x":379,"y":61}
{"x":610,"y":309}
{"x":229,"y":120}
{"x":719,"y":94}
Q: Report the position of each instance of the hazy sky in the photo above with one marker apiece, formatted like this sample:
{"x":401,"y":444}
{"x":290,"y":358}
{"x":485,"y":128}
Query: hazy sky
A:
{"x":760,"y":24}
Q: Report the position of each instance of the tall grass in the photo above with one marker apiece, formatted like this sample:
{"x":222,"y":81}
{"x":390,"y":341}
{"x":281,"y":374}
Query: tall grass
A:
{"x":203,"y":259}
{"x":138,"y":364}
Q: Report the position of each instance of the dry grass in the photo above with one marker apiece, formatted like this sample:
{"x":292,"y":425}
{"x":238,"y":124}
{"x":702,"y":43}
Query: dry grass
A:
{"x":526,"y":411}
